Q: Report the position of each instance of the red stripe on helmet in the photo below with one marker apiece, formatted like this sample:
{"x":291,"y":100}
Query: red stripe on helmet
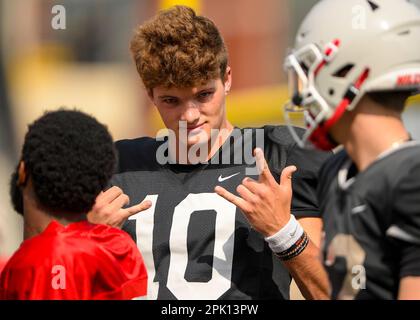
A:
{"x":327,"y":52}
{"x":319,"y":136}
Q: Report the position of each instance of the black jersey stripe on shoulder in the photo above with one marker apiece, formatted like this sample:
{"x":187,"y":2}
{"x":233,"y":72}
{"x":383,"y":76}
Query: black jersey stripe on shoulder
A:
{"x":279,"y":145}
{"x":281,"y":134}
{"x":137,"y":154}
{"x":278,"y":142}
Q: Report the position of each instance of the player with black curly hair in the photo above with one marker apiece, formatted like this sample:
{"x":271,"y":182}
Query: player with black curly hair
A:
{"x":67,"y":159}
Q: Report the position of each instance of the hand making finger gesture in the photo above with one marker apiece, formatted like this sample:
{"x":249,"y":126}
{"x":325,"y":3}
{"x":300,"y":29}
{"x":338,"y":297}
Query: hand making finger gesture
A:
{"x":266,"y":203}
{"x":108,"y":208}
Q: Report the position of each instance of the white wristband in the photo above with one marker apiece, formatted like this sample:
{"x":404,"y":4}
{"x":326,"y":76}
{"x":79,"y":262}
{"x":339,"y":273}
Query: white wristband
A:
{"x":286,"y":236}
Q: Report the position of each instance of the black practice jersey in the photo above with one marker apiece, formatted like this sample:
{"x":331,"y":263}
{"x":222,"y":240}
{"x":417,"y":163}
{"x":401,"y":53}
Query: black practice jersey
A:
{"x":372,"y":223}
{"x":197,"y":245}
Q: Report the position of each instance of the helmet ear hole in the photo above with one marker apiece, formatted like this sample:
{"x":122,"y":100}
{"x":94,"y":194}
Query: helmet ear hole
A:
{"x":343,"y":71}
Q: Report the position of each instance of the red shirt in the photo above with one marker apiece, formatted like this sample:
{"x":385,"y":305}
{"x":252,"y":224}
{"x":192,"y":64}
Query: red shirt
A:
{"x":79,"y":261}
{"x":3,"y":262}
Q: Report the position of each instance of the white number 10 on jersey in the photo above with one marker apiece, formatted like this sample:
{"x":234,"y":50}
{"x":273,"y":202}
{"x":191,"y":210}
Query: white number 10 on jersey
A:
{"x":182,"y":289}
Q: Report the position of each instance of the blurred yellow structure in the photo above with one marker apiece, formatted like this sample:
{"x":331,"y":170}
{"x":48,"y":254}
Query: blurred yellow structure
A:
{"x":195,"y":4}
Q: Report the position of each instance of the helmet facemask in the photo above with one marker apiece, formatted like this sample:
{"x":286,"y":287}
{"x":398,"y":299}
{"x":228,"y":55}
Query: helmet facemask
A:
{"x":378,"y":52}
{"x":302,"y":68}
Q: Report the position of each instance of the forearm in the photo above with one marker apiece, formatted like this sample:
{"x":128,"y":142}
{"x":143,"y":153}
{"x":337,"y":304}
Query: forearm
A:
{"x":309,"y":274}
{"x":301,"y":256}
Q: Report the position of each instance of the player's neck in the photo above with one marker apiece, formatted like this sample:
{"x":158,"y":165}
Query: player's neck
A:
{"x":36,"y":219}
{"x":370,"y":135}
{"x":224,"y":133}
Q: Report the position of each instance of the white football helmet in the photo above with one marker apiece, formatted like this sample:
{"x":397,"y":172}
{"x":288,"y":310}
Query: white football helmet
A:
{"x":344,"y":49}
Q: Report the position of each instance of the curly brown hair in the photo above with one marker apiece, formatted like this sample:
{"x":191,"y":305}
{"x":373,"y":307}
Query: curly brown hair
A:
{"x":178,"y":48}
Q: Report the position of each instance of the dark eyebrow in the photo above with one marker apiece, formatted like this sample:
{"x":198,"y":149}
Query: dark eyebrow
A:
{"x":212,"y":88}
{"x":166,"y":96}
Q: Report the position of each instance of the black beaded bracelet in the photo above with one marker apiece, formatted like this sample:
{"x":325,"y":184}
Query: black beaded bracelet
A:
{"x":295,"y":249}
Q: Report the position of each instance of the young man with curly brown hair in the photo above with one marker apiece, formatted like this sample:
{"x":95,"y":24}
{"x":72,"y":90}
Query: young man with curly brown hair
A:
{"x":195,"y":240}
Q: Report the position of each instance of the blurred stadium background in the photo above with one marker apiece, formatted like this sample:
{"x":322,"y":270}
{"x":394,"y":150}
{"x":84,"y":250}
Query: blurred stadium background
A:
{"x":88,"y":66}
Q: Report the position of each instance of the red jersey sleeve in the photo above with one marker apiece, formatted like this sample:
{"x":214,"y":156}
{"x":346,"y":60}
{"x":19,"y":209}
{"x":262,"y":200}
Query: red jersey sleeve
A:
{"x":123,"y":250}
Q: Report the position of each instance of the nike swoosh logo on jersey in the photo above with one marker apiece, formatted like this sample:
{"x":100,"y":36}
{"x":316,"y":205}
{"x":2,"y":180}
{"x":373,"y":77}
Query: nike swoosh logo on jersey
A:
{"x":221,"y":179}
